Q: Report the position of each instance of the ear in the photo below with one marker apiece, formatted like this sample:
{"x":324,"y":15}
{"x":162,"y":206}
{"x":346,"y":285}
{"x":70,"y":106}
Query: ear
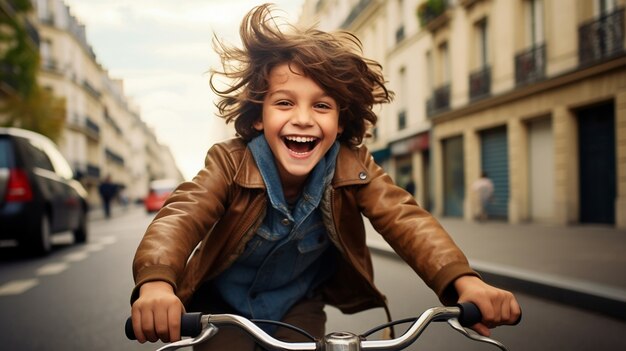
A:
{"x":258,"y":125}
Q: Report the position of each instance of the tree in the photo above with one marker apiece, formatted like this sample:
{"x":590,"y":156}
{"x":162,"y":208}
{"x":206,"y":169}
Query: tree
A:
{"x":26,"y":104}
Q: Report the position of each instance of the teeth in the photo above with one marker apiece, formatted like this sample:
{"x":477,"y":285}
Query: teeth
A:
{"x":300,"y":139}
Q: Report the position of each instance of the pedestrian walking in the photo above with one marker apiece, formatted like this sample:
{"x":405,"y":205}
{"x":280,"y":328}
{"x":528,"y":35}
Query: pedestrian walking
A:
{"x":483,"y":187}
{"x":107,"y":190}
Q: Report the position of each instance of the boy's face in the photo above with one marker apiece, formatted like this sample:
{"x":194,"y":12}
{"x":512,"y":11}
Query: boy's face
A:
{"x":300,"y":122}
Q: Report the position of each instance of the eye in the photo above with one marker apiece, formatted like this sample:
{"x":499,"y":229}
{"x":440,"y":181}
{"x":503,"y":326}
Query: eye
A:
{"x":283,"y":103}
{"x":323,"y":106}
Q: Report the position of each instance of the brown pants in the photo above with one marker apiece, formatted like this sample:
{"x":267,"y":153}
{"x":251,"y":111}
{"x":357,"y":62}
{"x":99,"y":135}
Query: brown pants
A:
{"x":308,"y":314}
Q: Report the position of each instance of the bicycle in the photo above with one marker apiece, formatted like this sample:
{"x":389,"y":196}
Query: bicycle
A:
{"x":201,"y":327}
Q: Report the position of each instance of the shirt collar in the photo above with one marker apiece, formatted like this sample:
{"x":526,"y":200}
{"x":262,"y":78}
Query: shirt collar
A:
{"x":321,"y":175}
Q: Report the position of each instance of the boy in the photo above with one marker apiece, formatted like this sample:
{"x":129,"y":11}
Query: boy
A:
{"x":277,"y":211}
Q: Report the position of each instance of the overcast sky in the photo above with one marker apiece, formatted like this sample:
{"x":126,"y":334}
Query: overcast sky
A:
{"x":162,"y":51}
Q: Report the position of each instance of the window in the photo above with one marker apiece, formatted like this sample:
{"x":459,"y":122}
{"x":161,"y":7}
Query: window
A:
{"x":61,"y":167}
{"x":444,"y":70}
{"x":430,"y":79}
{"x":6,"y":153}
{"x":401,"y":120}
{"x":400,"y":17}
{"x":534,"y":22}
{"x":39,"y":157}
{"x":44,"y":11}
{"x":604,"y":6}
{"x":482,"y":49}
{"x":402,"y":99}
{"x":45,"y":49}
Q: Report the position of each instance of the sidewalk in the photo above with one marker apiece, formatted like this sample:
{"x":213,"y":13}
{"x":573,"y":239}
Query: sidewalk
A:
{"x":582,"y":265}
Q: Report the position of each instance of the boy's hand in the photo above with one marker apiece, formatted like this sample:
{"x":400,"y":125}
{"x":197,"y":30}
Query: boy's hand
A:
{"x":156,"y":313}
{"x":497,"y":306}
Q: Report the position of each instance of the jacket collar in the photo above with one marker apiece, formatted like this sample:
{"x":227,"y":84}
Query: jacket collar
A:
{"x":349,"y":169}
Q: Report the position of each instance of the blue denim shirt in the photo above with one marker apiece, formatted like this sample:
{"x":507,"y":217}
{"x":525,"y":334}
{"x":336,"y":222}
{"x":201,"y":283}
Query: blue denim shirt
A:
{"x":284,"y":261}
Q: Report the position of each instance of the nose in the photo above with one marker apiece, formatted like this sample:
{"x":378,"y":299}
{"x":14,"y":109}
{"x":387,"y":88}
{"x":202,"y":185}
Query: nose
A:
{"x":302,"y":117}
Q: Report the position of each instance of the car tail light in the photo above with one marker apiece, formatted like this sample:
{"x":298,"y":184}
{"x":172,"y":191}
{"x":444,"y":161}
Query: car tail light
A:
{"x":18,"y":187}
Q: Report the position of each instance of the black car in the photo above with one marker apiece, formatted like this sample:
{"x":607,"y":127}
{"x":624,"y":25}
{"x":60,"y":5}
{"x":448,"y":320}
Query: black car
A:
{"x":39,"y":196}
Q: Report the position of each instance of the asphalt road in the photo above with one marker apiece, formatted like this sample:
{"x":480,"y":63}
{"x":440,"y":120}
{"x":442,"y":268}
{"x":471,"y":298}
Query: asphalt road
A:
{"x":77,"y":299}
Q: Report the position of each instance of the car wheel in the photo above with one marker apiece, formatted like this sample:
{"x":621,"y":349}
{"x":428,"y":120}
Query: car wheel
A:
{"x":80,"y":233}
{"x":40,"y":241}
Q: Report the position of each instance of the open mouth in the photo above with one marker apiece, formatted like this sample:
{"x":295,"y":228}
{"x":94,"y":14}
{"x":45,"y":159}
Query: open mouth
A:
{"x":300,"y":144}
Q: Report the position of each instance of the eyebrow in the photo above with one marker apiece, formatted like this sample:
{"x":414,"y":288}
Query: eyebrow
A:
{"x":290,"y":92}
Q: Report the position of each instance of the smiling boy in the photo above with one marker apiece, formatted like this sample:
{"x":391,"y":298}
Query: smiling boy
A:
{"x":272,"y":226}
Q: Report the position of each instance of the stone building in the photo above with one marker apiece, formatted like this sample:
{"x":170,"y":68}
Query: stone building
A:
{"x":104,"y":134}
{"x":533,"y":92}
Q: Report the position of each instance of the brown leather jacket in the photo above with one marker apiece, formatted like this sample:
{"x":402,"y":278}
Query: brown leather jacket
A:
{"x":221,"y":208}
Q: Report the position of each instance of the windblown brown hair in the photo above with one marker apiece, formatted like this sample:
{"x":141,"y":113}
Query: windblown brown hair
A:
{"x":333,"y":60}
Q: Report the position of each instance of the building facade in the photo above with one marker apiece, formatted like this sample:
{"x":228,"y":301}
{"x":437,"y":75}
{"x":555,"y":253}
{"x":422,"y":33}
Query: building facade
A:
{"x":532,"y":92}
{"x":104,"y":134}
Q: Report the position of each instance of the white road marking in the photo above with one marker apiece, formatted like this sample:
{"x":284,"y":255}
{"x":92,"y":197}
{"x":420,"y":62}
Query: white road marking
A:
{"x":65,"y":238}
{"x":107,"y":240}
{"x":17,"y":287}
{"x":76,"y":256}
{"x":94,"y":247}
{"x":52,"y":268}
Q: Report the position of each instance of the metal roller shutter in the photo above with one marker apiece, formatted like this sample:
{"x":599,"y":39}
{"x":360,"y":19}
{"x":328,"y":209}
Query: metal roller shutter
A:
{"x":454,"y":177}
{"x":495,"y":161}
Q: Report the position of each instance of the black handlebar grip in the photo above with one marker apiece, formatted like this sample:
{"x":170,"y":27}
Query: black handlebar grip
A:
{"x":128,"y":329}
{"x":470,"y":314}
{"x":190,"y":325}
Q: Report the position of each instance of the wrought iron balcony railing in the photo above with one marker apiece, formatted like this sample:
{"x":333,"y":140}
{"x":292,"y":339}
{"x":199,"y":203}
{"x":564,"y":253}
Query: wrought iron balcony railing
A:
{"x":480,"y":83}
{"x":439,"y":102}
{"x":530,"y":65}
{"x":601,"y":38}
{"x":93,"y":129}
{"x":114,"y":157}
{"x":93,"y":171}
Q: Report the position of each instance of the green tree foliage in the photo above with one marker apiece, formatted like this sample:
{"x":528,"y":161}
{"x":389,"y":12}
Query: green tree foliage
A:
{"x":430,"y":9}
{"x":28,"y":106}
{"x":40,"y":111}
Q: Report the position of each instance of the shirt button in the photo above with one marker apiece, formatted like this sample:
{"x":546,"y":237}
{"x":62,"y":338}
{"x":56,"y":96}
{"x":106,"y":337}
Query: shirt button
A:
{"x":285,"y":221}
{"x":362,"y":175}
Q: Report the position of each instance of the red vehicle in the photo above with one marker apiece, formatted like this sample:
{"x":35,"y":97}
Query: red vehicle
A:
{"x":160,"y":190}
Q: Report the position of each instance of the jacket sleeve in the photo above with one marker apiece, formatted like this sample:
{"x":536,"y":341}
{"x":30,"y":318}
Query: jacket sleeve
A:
{"x":417,"y":237}
{"x":187,"y":216}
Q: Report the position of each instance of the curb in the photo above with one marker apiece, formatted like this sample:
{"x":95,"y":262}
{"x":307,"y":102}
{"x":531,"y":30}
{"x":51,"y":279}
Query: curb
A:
{"x":594,"y":297}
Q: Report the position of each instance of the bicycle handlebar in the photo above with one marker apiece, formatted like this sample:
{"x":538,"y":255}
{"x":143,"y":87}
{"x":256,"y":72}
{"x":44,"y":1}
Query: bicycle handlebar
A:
{"x":201,"y":327}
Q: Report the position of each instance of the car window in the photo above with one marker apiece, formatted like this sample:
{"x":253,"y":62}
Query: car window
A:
{"x":5,"y":153}
{"x":39,"y":158}
{"x":61,"y":166}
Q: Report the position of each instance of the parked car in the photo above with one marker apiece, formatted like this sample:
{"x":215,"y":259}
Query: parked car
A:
{"x":39,"y":196}
{"x":158,"y":192}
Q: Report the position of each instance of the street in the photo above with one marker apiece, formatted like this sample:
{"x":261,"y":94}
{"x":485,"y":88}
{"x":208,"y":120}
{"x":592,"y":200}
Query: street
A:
{"x":78,"y":299}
